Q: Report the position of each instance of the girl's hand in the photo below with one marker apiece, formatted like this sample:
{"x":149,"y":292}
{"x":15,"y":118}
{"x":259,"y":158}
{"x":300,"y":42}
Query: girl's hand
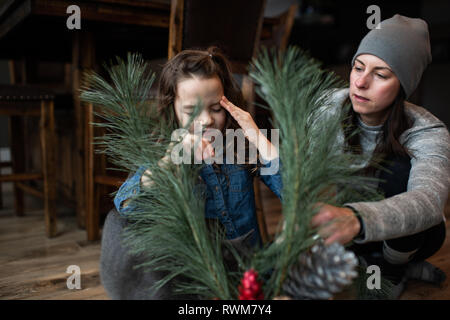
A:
{"x":336,"y":224}
{"x":251,"y":130}
{"x":202,"y":147}
{"x":203,"y":150}
{"x":243,"y":118}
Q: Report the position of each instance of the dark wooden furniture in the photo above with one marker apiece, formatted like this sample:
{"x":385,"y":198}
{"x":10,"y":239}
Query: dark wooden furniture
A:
{"x":18,"y":102}
{"x":277,"y":30}
{"x":108,"y":28}
{"x":84,"y":57}
{"x":234,"y":26}
{"x":274,"y":35}
{"x":202,"y":23}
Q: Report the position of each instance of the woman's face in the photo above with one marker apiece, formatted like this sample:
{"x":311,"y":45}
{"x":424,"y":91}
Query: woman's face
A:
{"x":373,"y":88}
{"x":208,"y":92}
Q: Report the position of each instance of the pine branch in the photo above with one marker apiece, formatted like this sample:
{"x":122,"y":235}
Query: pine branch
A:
{"x":299,"y":92}
{"x":167,"y":225}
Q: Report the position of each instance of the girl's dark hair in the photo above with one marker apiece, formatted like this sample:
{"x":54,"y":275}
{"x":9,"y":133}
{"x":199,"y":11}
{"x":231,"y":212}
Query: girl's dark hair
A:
{"x":204,"y":64}
{"x":199,"y":63}
{"x":388,"y":144}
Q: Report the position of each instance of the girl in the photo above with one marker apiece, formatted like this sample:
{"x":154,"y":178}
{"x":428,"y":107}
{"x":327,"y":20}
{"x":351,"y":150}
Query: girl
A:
{"x":408,"y":225}
{"x":190,"y":78}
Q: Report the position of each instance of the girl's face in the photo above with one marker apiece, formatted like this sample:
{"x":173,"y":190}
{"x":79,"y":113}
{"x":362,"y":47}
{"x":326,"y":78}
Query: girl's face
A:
{"x":373,"y":88}
{"x":207,"y":91}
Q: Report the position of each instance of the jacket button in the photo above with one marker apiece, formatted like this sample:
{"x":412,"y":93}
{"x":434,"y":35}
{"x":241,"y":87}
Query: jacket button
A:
{"x":217,"y":188}
{"x":224,"y":213}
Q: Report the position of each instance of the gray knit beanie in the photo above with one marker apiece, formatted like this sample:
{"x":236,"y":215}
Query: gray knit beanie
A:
{"x":404,"y":44}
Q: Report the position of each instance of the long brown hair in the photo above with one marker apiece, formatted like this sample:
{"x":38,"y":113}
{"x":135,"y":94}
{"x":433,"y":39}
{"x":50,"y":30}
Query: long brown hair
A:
{"x":204,"y":64}
{"x":388,"y":144}
{"x":199,"y":63}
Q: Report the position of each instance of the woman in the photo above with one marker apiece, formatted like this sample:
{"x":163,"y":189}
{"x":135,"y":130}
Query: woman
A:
{"x":408,"y":225}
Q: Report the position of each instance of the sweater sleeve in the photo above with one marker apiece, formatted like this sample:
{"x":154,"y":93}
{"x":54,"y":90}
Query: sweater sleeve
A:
{"x":422,"y":205}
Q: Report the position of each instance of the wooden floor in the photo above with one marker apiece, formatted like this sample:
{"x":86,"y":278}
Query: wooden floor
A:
{"x":34,"y":267}
{"x":415,"y":290}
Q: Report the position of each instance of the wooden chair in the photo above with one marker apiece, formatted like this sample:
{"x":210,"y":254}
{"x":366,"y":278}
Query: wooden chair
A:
{"x":277,"y":30}
{"x":198,"y":24}
{"x":97,"y":180}
{"x":275,"y":34}
{"x":18,"y":102}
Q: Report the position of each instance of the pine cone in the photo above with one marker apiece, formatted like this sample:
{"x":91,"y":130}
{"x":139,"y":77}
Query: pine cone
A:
{"x":320,"y":273}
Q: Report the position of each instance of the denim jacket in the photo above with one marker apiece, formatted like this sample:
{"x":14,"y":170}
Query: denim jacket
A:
{"x":230,"y":196}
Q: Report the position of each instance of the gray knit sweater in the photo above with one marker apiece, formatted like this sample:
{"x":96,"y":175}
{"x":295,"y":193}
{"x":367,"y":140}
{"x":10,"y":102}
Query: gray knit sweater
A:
{"x":422,"y":205}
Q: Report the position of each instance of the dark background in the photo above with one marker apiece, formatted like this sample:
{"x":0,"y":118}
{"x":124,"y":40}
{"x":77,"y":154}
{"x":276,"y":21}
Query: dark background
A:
{"x":331,"y":31}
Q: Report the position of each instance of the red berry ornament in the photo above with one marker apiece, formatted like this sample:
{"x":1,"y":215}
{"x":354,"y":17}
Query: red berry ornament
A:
{"x":250,"y":287}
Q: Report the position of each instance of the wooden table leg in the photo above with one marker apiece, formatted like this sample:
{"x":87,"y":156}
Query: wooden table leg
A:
{"x":17,"y":142}
{"x":260,"y":213}
{"x":84,"y":58}
{"x":100,"y":190}
{"x":92,"y":214}
{"x":79,"y":131}
{"x":48,"y":140}
{"x":248,"y":91}
{"x":1,"y":190}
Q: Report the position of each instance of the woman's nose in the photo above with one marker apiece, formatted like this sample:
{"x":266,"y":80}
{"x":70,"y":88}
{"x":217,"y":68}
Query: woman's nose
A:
{"x":362,"y":81}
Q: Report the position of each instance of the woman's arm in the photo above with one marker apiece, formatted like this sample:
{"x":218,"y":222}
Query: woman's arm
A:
{"x":422,"y":205}
{"x":415,"y":210}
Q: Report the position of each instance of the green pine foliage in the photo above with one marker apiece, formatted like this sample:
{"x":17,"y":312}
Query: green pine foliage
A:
{"x":168,"y":225}
{"x":134,"y":134}
{"x":314,"y":168}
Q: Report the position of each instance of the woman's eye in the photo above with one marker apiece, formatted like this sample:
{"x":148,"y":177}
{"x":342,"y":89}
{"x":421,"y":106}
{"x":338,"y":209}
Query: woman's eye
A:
{"x":381,"y":76}
{"x":357,"y":68}
{"x":216,"y":109}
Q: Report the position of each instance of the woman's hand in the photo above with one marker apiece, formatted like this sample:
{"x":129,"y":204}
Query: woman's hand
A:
{"x":251,"y":130}
{"x":336,"y":224}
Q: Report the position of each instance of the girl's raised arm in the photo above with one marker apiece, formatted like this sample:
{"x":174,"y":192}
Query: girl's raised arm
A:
{"x":251,"y":131}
